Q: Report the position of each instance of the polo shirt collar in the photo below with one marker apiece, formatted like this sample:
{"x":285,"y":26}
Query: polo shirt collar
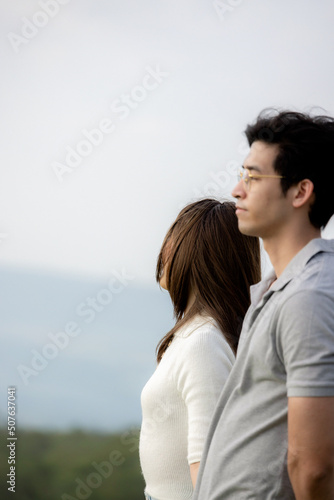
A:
{"x":294,"y":268}
{"x":299,"y":261}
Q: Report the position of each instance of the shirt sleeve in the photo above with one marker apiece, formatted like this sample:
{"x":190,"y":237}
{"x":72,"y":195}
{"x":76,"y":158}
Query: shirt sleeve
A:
{"x":306,"y":343}
{"x":204,"y":365}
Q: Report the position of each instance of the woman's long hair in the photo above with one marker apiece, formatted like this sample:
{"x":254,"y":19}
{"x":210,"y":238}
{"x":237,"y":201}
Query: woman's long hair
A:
{"x":205,"y":253}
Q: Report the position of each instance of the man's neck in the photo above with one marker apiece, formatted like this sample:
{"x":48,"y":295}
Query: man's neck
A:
{"x":282,"y":249}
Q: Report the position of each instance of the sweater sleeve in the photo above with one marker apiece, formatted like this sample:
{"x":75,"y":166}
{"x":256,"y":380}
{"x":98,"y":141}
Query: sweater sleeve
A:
{"x":204,"y":365}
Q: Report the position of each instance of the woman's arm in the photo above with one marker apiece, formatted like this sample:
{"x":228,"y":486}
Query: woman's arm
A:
{"x":201,"y":373}
{"x":193,"y":472}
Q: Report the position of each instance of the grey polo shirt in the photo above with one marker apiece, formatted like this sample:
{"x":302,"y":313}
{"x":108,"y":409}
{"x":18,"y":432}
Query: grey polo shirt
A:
{"x":286,"y":349}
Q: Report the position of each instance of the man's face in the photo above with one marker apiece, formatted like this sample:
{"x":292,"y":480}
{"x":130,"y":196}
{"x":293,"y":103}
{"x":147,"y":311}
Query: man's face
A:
{"x":262,"y":209}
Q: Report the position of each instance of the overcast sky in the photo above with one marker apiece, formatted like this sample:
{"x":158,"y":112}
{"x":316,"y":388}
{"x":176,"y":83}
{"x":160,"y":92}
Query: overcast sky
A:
{"x":170,"y":84}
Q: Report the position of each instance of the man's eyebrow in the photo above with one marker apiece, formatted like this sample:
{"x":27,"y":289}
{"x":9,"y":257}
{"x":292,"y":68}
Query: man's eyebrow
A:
{"x":252,"y":168}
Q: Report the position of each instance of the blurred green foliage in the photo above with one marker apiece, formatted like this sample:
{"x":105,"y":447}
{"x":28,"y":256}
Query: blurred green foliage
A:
{"x":73,"y":466}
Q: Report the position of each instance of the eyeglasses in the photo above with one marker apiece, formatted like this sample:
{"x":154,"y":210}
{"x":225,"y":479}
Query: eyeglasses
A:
{"x":244,"y":175}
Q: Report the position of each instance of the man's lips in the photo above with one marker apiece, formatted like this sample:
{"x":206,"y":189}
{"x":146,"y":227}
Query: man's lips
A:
{"x":239,"y":209}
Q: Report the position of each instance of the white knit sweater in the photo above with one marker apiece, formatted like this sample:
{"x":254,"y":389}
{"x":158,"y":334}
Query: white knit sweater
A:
{"x":177,"y":405}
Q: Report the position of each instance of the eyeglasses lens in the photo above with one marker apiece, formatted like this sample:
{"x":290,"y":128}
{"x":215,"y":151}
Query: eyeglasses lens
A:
{"x":243,"y":175}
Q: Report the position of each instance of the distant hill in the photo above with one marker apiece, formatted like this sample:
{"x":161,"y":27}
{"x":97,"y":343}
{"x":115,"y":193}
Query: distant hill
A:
{"x":72,"y":466}
{"x":91,"y":380}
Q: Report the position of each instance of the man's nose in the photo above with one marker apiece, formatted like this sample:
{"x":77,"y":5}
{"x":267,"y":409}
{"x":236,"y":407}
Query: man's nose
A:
{"x":238,"y":190}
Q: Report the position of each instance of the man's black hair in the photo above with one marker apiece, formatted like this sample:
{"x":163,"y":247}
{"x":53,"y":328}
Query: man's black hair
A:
{"x":306,"y":151}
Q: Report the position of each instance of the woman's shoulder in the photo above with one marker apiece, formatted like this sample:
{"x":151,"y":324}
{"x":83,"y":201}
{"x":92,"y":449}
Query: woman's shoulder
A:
{"x":196,"y":325}
{"x":203,"y":333}
{"x":202,"y":349}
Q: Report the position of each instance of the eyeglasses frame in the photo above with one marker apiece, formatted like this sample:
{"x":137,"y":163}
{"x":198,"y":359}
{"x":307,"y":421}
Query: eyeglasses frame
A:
{"x":242,"y":172}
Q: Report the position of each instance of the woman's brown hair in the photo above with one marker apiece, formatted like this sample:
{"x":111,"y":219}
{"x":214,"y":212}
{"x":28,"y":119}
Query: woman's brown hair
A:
{"x":205,"y":253}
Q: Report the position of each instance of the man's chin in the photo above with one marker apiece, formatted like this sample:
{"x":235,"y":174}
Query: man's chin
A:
{"x":245,"y":229}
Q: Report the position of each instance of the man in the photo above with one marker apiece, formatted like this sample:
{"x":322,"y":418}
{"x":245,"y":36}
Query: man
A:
{"x":272,"y":434}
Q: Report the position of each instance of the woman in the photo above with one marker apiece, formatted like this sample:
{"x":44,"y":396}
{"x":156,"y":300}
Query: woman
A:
{"x":207,"y":266}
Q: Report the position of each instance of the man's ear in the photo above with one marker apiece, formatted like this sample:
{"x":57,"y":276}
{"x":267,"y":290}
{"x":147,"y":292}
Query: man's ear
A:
{"x":303,"y":193}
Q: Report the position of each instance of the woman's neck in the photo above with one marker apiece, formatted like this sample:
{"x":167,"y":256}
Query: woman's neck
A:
{"x":191,"y":300}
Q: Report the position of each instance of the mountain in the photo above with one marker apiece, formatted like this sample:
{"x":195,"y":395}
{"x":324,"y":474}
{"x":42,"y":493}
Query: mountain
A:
{"x":78,"y":351}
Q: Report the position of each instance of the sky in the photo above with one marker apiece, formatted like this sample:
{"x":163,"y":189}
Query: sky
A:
{"x":116,"y":114}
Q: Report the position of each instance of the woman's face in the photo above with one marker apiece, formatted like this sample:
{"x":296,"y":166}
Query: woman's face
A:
{"x":162,"y":281}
